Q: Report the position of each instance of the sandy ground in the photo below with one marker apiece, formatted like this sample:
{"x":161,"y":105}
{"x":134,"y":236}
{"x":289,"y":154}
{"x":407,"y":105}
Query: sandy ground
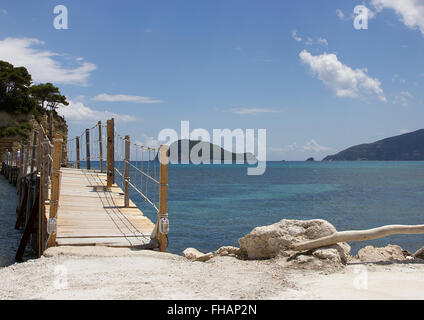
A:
{"x":110,"y":273}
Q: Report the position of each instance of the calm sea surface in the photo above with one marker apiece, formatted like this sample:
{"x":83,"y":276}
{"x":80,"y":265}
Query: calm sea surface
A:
{"x":9,"y":237}
{"x":211,"y":206}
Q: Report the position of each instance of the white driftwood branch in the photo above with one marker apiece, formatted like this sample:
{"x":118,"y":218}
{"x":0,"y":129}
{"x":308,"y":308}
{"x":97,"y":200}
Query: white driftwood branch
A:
{"x":359,"y":235}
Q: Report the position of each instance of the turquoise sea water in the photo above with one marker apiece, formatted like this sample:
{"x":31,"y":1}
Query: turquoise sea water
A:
{"x":9,"y":237}
{"x":213,"y":205}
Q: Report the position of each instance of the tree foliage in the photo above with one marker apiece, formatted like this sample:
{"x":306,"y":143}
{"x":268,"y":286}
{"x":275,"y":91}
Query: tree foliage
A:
{"x":14,"y":89}
{"x":19,"y":96}
{"x":48,"y":96}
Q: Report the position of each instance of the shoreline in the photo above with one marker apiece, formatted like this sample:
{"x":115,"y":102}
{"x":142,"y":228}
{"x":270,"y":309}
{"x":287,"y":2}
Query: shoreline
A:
{"x":118,"y":273}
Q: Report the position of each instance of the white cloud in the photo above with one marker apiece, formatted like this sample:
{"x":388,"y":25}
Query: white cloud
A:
{"x":403,"y":98}
{"x":253,"y":111}
{"x":313,"y":146}
{"x":411,"y":12}
{"x":396,"y":78}
{"x":309,"y":146}
{"x":149,"y":141}
{"x":340,"y":78}
{"x":4,"y":11}
{"x":295,"y":36}
{"x":124,"y":98}
{"x":402,"y":131}
{"x":340,"y":14}
{"x":147,"y":30}
{"x":371,"y":14}
{"x":322,"y":41}
{"x":309,"y":40}
{"x":78,"y":112}
{"x":43,"y":64}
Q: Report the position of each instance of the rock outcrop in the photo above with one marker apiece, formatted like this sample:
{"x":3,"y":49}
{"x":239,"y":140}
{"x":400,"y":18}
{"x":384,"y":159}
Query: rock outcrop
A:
{"x":277,"y":240}
{"x":389,"y":253}
{"x":195,"y":255}
{"x":228,"y":251}
{"x":419,"y":254}
{"x":225,"y":251}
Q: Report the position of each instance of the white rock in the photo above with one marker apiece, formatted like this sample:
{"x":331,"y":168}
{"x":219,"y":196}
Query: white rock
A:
{"x":195,"y":255}
{"x":278,"y":239}
{"x":228,"y":251}
{"x":388,"y":253}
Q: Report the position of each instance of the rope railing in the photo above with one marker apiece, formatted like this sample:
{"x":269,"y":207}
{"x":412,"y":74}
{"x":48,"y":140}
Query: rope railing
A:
{"x":35,"y":169}
{"x":133,"y":166}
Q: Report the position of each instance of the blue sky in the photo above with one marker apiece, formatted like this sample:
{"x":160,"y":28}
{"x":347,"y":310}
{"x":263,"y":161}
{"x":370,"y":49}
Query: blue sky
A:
{"x":296,"y":68}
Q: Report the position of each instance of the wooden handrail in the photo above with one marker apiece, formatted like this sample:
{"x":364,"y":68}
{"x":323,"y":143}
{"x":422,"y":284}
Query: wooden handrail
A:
{"x":87,"y":148}
{"x":163,"y":195}
{"x":54,"y":198}
{"x":110,"y":153}
{"x":99,"y":124}
{"x":127,"y":173}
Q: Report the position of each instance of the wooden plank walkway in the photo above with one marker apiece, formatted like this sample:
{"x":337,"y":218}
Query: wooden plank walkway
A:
{"x":90,"y":214}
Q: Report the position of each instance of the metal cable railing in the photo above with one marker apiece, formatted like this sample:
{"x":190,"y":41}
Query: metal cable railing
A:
{"x":143,"y":169}
{"x":130,"y":165}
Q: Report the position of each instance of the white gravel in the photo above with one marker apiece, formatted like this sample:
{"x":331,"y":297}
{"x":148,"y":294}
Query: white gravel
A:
{"x":111,"y":273}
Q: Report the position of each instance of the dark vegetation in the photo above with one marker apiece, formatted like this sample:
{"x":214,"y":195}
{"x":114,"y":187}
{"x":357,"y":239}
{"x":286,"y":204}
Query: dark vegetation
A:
{"x":23,"y":101}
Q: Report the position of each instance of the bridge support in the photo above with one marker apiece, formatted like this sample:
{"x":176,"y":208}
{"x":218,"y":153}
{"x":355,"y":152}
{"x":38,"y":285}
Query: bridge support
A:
{"x":78,"y":152}
{"x":127,"y":172}
{"x":110,"y":153}
{"x":87,"y":148}
{"x":163,"y":195}
{"x":54,"y":198}
{"x":100,"y":146}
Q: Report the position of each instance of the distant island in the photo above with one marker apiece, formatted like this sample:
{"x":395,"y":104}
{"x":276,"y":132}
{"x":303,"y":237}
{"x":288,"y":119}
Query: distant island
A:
{"x":310,"y":159}
{"x":408,"y":146}
{"x":215,"y":152}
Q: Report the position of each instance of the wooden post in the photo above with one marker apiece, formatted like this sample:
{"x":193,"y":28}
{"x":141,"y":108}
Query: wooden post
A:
{"x":21,"y":169}
{"x":43,"y":193}
{"x":87,"y":148}
{"x":39,"y":144}
{"x":40,"y":200}
{"x":26,"y":157}
{"x":7,"y":156}
{"x":50,"y":133}
{"x":163,"y":194}
{"x":44,"y":123}
{"x":34,"y":142}
{"x":11,"y":166}
{"x":78,"y":152}
{"x":127,"y":172}
{"x":27,"y":232}
{"x":54,"y":196}
{"x":21,"y":160}
{"x":110,"y":152}
{"x":100,"y":146}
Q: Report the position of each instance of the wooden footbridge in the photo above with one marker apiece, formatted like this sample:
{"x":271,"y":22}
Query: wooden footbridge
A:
{"x":64,"y":201}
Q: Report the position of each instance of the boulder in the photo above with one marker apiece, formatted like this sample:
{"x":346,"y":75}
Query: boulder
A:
{"x":195,"y":255}
{"x":277,"y":240}
{"x":419,"y":254}
{"x":388,"y":253}
{"x":228,"y":251}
